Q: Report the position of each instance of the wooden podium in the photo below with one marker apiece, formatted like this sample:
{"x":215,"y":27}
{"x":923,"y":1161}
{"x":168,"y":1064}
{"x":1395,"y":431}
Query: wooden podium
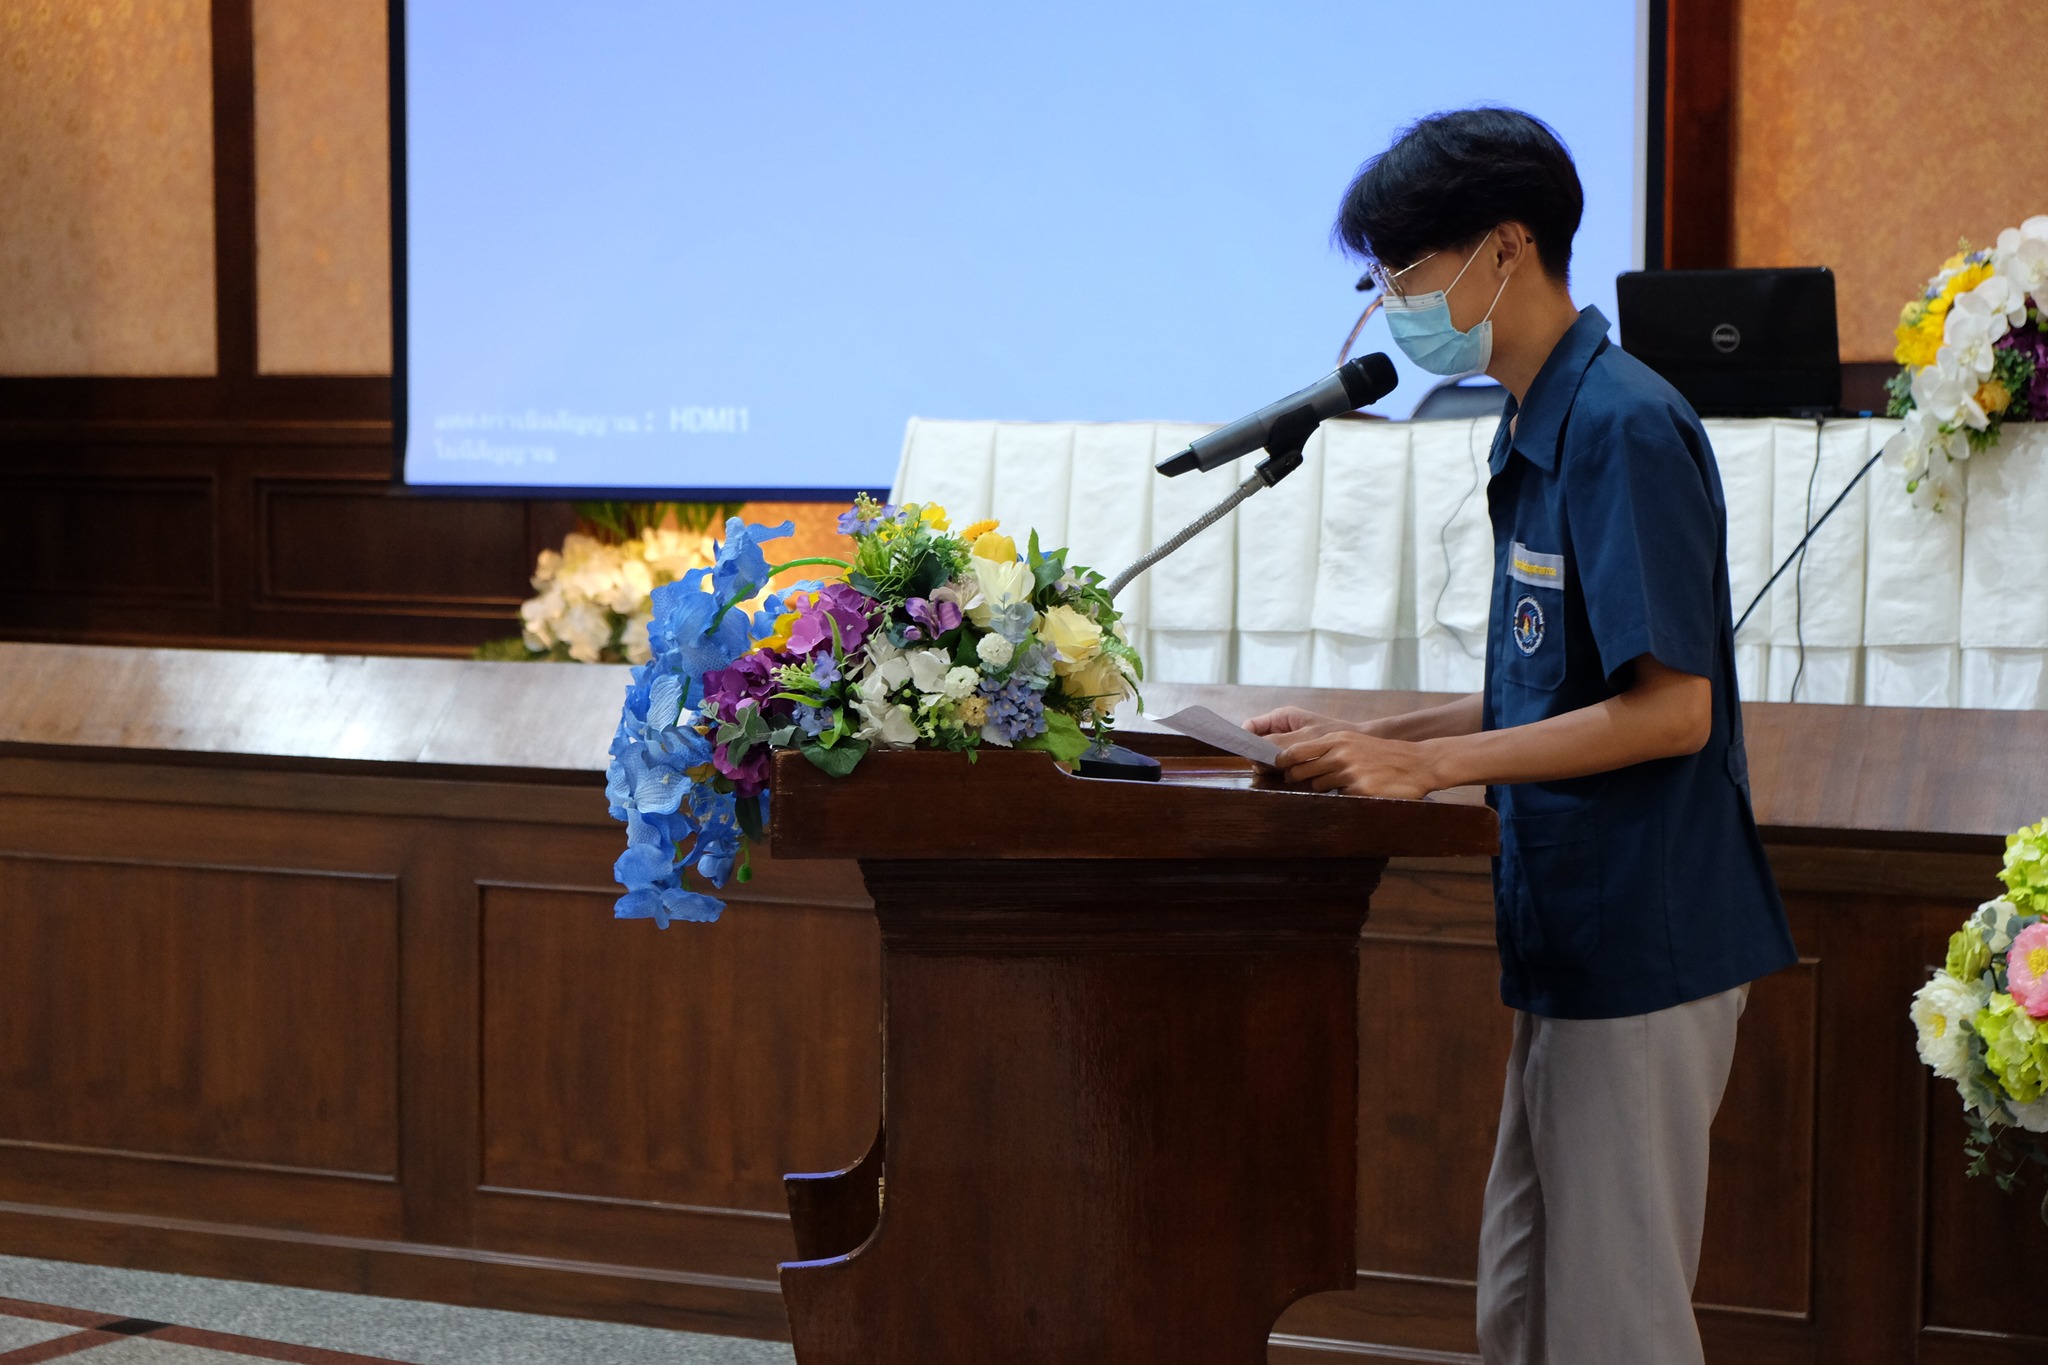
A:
{"x":1120,"y":1056}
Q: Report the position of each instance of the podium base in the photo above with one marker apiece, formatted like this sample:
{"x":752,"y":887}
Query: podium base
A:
{"x":1119,"y":764}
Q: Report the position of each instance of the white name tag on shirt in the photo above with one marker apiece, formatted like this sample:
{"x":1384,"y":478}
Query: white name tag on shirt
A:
{"x":1528,"y":566}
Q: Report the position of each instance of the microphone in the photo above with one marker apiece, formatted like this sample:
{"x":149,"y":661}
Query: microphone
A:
{"x":1350,"y":386}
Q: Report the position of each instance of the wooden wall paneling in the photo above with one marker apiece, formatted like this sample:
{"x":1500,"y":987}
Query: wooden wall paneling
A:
{"x":1867,"y":1286}
{"x":439,"y":862}
{"x":259,"y":534}
{"x":1757,"y":1255}
{"x":191,"y":1011}
{"x":346,"y":545}
{"x":141,"y":541}
{"x":722,"y":1061}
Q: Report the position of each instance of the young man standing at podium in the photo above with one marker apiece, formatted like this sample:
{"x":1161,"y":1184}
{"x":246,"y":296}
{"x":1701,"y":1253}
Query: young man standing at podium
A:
{"x":1633,"y":903}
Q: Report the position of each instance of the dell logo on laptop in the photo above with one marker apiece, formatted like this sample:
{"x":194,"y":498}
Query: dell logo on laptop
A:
{"x":1726,"y":338}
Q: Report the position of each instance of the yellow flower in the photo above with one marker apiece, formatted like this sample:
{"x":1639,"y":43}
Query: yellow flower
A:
{"x":933,"y":515}
{"x":1993,"y":397}
{"x":1101,"y":681}
{"x":993,"y":545}
{"x":1077,"y":638}
{"x":978,"y":529}
{"x":1918,"y":344}
{"x":785,"y":623}
{"x":1962,"y":283}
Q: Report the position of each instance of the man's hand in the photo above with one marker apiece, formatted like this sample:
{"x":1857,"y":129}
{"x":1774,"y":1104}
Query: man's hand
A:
{"x":1293,"y":721}
{"x":1361,"y":765}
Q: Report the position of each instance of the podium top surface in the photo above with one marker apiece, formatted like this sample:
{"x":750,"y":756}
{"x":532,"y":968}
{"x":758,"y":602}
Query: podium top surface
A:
{"x":926,"y":805}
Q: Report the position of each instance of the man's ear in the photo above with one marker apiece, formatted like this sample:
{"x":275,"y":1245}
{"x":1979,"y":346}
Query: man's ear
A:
{"x":1514,"y":248}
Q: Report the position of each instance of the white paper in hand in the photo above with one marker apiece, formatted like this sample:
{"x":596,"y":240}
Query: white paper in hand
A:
{"x":1199,"y":722}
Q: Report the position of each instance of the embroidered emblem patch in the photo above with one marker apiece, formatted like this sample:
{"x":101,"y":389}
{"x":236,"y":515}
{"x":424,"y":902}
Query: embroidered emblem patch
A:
{"x":1528,"y":625}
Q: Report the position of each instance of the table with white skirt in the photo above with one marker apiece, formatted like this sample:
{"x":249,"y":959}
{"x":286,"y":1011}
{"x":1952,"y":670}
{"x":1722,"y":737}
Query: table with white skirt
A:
{"x":1370,"y":566}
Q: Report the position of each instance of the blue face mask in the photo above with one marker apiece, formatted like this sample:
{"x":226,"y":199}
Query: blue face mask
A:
{"x":1422,"y":327}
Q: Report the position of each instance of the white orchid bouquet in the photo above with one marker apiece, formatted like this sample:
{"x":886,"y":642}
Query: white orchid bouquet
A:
{"x":932,"y":639}
{"x":1974,"y":346}
{"x":1982,"y":1018}
{"x":593,"y":597}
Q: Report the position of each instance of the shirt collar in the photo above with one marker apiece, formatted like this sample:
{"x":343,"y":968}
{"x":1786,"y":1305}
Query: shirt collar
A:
{"x":1549,"y":400}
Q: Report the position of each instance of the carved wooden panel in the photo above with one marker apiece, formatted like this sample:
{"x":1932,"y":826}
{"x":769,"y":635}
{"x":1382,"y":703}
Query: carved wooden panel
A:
{"x":231,"y":1016}
{"x":1439,"y":1000}
{"x":706,"y":1064}
{"x":1758,"y":1250}
{"x":140,"y":539}
{"x":356,"y":543}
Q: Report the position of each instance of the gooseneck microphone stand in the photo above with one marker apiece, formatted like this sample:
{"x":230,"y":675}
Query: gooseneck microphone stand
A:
{"x":1283,"y":456}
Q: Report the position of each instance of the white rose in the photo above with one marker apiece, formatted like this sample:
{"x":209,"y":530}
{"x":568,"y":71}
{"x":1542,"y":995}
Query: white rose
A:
{"x":960,"y":681}
{"x":1942,"y":1011}
{"x":995,"y":651}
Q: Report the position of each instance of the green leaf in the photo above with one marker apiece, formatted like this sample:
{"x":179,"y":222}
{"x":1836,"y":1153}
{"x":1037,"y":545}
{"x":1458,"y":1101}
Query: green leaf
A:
{"x":1062,"y":738}
{"x":780,"y":738}
{"x":748,"y":811}
{"x":840,"y":759}
{"x":1045,"y":569}
{"x":863,"y":583}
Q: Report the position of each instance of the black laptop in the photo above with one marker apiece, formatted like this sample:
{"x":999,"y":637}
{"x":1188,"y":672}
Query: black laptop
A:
{"x":1738,"y":343}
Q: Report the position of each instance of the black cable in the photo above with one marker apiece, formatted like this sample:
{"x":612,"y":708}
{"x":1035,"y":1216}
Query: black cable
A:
{"x":1799,"y":574}
{"x":1769,"y":583}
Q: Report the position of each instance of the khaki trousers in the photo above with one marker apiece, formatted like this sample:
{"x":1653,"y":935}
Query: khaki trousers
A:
{"x":1590,"y":1241}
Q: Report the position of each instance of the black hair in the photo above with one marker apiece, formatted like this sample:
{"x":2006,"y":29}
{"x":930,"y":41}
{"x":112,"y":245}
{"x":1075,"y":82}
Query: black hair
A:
{"x":1451,"y":177}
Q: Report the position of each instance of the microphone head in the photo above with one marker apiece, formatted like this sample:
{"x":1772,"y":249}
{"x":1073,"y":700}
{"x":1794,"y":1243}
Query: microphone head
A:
{"x":1368,"y":379}
{"x":1179,"y":464}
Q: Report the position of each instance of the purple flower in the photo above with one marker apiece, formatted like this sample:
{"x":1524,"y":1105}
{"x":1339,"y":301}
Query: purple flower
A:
{"x":750,"y":774}
{"x":825,"y":668}
{"x":852,"y":523}
{"x":2030,"y":341}
{"x":751,"y":679}
{"x":835,"y":604}
{"x":933,"y":618}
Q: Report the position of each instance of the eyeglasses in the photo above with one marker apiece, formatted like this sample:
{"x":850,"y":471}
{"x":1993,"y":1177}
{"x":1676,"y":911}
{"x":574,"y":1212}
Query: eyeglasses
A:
{"x":1384,"y":278}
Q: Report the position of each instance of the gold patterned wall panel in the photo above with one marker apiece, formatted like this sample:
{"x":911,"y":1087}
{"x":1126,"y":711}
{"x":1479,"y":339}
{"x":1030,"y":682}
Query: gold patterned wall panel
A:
{"x":323,"y":188}
{"x":1872,"y":134}
{"x":106,"y":187}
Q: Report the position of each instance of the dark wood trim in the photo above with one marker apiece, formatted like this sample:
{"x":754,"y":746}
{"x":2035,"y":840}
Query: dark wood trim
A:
{"x":234,"y":188}
{"x":1699,"y":134}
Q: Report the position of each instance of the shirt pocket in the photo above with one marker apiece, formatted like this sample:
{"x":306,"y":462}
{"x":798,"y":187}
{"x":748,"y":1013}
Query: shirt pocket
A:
{"x":1557,"y":889}
{"x":1533,"y":654}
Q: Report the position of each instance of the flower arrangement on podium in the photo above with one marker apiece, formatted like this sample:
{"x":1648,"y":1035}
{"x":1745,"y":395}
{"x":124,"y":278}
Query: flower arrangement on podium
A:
{"x":1983,"y":1017}
{"x":932,"y":639}
{"x":1974,"y":346}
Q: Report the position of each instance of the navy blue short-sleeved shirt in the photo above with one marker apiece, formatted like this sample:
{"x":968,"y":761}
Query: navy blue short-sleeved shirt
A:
{"x":1639,"y":889}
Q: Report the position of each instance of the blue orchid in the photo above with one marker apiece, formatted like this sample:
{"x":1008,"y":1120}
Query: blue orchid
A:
{"x":688,"y":634}
{"x":668,"y":903}
{"x":741,"y":569}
